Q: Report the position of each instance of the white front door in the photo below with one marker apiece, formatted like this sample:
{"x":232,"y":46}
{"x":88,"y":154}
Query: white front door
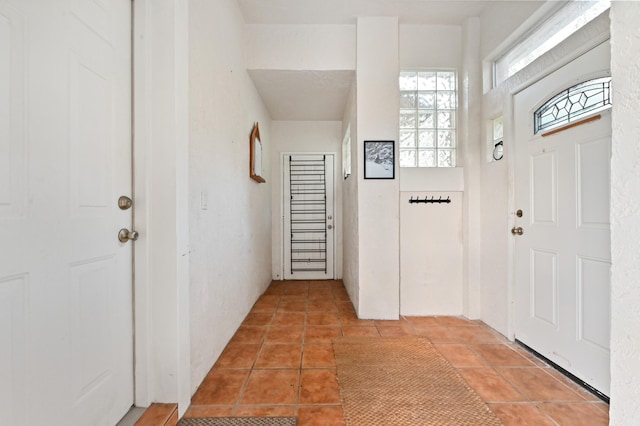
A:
{"x":66,"y":356}
{"x":562,"y":259}
{"x":308,"y":216}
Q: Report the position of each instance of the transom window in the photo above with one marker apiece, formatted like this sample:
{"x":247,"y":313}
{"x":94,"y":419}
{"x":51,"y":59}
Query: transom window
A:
{"x":573,"y":103}
{"x":428,"y":110}
{"x":552,"y":30}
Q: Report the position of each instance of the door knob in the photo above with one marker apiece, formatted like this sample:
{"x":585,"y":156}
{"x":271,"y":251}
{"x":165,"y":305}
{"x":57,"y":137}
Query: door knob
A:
{"x":125,"y":202}
{"x":125,"y":235}
{"x":517,"y":230}
{"x":329,"y":227}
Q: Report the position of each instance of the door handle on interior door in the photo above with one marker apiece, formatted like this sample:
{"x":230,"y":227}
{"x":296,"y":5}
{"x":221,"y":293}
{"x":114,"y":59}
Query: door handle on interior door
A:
{"x":125,"y":202}
{"x":125,"y":235}
{"x":329,"y":227}
{"x":517,"y":230}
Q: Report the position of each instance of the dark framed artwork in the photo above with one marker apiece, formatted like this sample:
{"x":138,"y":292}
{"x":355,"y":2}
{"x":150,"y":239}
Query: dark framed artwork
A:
{"x":379,"y":160}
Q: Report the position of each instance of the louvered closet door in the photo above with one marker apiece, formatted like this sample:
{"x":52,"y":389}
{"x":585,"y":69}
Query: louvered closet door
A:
{"x":308,"y":216}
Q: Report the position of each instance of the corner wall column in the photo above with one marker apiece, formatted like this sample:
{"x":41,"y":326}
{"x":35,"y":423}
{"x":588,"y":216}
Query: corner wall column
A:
{"x":377,"y":101}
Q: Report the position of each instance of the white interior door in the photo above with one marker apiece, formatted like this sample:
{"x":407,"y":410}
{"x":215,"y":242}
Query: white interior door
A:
{"x":66,"y":356}
{"x":308,"y":216}
{"x":562,"y":259}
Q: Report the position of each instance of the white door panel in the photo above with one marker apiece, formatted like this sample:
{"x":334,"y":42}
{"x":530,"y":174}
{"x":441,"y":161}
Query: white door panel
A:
{"x":562,"y":259}
{"x":65,"y":158}
{"x":308,"y":216}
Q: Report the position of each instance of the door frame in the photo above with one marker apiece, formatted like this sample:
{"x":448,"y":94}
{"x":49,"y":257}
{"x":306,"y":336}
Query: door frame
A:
{"x":336,"y":218}
{"x":510,"y":133}
{"x":162,"y":366}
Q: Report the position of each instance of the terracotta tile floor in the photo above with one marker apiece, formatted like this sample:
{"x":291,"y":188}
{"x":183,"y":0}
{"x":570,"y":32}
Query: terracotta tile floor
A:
{"x":280,"y":363}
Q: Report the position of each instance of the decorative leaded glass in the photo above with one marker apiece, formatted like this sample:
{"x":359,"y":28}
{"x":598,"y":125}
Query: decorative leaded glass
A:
{"x":428,"y":108}
{"x":573,"y":103}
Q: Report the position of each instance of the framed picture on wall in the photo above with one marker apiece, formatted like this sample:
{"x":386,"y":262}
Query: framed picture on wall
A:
{"x":379,"y":160}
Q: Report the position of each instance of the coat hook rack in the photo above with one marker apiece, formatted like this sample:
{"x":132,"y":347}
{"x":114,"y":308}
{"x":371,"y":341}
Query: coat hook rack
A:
{"x":427,"y":200}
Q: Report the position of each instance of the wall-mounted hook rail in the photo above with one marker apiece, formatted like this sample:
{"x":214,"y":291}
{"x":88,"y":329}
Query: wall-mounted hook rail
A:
{"x":427,"y":200}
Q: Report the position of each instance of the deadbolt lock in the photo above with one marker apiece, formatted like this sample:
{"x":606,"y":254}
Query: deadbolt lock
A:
{"x":519,"y":213}
{"x":125,"y":202}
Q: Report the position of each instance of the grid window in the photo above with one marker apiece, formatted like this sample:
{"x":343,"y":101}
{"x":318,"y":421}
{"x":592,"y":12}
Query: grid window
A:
{"x":428,"y":116}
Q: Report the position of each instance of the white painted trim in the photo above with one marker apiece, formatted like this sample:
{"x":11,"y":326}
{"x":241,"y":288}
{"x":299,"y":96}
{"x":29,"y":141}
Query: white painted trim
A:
{"x":509,"y":129}
{"x":161,"y":288}
{"x":142,"y":397}
{"x":488,"y":68}
{"x":559,"y":63}
{"x":335,"y":207}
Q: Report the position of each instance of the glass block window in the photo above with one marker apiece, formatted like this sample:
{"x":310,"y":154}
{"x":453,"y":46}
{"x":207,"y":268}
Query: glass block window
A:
{"x":428,"y":116}
{"x":573,"y":103}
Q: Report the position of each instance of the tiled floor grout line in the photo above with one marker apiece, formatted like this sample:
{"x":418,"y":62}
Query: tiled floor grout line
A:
{"x":325,"y":306}
{"x":543,"y":369}
{"x":304,"y":333}
{"x":234,"y":410}
{"x":268,"y":326}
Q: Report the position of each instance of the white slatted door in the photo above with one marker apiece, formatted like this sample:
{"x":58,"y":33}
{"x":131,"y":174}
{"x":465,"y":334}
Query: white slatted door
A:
{"x":562,"y":260}
{"x":66,"y":356}
{"x":308,"y":216}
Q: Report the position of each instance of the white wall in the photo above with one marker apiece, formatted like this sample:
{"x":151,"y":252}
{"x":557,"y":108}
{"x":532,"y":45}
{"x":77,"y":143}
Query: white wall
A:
{"x":230,"y":214}
{"x":501,"y":19}
{"x":497,"y":210}
{"x":431,"y":255}
{"x":625,"y":208}
{"x":429,"y":47}
{"x":304,"y":136}
{"x":426,"y":234}
{"x":470,"y":154}
{"x":350,"y":207}
{"x":377,"y":97}
{"x":301,"y":47}
{"x":162,"y":362}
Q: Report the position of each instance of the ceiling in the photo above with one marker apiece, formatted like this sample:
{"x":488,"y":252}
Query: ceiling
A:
{"x":322,"y":95}
{"x":303,"y":95}
{"x":434,"y":12}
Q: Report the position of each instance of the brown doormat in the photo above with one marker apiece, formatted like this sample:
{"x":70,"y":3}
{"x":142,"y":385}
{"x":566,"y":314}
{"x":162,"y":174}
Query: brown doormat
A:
{"x":240,"y":421}
{"x":404,"y":381}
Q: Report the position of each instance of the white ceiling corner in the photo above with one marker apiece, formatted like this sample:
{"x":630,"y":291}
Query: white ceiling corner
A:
{"x":304,"y":95}
{"x":322,"y":95}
